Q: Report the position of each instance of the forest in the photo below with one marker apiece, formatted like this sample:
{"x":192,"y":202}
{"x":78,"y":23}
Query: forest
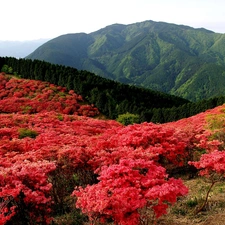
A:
{"x":110,"y":97}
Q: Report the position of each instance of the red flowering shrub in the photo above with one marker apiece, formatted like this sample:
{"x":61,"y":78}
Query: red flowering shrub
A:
{"x":147,"y":141}
{"x":212,"y":162}
{"x":30,"y":96}
{"x":26,"y":183}
{"x":119,"y":172}
{"x":25,"y":190}
{"x":127,"y":188}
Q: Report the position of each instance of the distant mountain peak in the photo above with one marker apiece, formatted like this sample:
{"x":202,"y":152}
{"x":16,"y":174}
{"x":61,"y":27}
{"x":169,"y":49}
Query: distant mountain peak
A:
{"x":176,"y":59}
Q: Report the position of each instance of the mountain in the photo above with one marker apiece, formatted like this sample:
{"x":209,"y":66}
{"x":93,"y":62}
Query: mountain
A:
{"x":175,"y":59}
{"x":19,"y":49}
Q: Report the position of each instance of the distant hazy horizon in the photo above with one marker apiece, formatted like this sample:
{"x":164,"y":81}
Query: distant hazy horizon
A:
{"x":33,"y":20}
{"x":19,"y":49}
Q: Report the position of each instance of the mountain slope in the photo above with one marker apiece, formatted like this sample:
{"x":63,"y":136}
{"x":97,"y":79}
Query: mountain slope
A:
{"x":111,"y":98}
{"x":32,"y":96}
{"x":175,"y":59}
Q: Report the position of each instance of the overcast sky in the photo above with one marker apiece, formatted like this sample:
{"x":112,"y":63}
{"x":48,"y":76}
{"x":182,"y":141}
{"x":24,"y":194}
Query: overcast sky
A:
{"x":35,"y":19}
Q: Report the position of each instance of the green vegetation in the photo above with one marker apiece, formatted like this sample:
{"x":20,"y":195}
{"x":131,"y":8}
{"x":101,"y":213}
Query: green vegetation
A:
{"x":26,"y":109}
{"x":128,"y":118}
{"x":7,"y":69}
{"x":24,"y":132}
{"x":60,"y":117}
{"x":110,"y":97}
{"x":170,"y":58}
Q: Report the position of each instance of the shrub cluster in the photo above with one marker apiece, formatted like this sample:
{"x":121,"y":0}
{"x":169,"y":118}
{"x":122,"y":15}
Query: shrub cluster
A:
{"x":53,"y":163}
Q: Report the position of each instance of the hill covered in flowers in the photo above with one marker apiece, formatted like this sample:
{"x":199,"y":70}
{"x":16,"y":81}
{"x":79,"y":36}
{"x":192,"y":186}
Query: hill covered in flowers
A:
{"x":33,"y":96}
{"x":60,"y":166}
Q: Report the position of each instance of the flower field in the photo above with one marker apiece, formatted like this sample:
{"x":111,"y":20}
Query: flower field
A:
{"x":55,"y":159}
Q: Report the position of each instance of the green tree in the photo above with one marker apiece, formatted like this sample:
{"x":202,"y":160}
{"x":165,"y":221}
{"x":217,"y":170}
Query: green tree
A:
{"x":128,"y":118}
{"x":157,"y":116}
{"x":7,"y":69}
{"x":69,"y":83}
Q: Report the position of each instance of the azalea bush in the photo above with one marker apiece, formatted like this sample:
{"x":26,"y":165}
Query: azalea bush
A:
{"x":39,"y":174}
{"x":127,"y":191}
{"x":31,"y":96}
{"x":55,"y":160}
{"x":25,"y":192}
{"x":211,"y":164}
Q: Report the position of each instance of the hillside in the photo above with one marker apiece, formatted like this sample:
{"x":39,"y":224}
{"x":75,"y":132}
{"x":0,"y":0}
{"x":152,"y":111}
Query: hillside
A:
{"x":57,"y":167}
{"x":170,"y":58}
{"x":111,"y":98}
{"x":30,"y":96}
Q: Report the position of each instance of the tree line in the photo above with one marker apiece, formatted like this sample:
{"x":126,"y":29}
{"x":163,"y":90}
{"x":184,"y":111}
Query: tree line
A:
{"x":110,"y":97}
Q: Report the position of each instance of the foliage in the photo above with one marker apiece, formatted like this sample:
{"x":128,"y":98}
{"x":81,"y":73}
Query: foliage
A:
{"x":111,"y":98}
{"x":128,"y":118}
{"x":23,"y":132}
{"x":7,"y":69}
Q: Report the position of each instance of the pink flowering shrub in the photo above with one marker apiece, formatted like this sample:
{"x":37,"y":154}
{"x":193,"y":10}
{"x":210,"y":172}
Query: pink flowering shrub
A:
{"x":125,"y":189}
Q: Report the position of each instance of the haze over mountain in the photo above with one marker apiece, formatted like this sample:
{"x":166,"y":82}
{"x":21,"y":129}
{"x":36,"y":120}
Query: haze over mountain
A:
{"x":175,"y":59}
{"x":19,"y":49}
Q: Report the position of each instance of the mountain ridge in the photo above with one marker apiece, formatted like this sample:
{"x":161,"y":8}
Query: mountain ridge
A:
{"x":174,"y":59}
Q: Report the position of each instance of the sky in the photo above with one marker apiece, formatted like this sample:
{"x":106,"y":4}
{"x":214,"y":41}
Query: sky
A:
{"x":36,"y":19}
